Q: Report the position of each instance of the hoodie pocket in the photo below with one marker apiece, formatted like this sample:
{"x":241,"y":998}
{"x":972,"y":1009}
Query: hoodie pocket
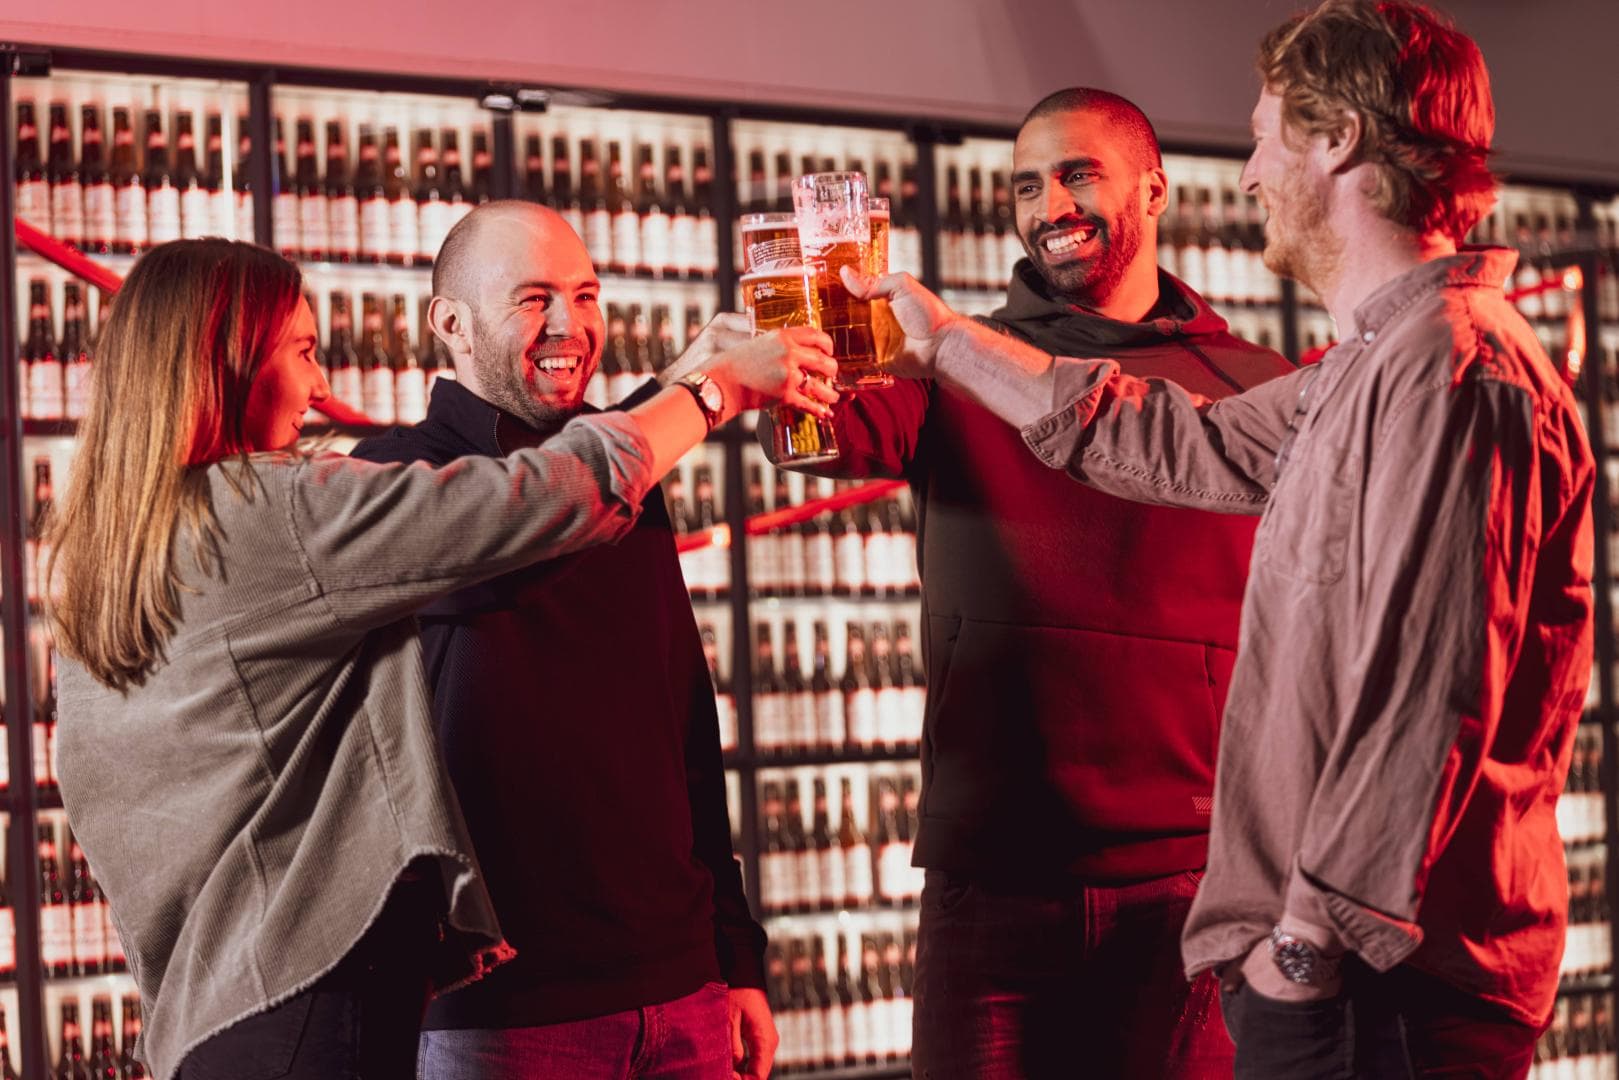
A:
{"x":1089,"y":730}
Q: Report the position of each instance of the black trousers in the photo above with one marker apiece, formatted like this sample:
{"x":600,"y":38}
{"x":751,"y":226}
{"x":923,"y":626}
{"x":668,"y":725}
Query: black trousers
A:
{"x":1399,"y":1025}
{"x":362,"y":1021}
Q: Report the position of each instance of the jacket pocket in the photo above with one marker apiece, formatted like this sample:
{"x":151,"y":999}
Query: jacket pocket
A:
{"x":1061,"y":731}
{"x":1304,"y":535}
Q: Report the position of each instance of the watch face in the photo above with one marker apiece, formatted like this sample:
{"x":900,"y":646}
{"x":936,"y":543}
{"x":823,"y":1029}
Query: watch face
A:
{"x":1296,"y":959}
{"x":713,"y":396}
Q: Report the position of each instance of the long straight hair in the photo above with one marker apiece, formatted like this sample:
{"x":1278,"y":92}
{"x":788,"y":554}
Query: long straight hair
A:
{"x":187,"y":334}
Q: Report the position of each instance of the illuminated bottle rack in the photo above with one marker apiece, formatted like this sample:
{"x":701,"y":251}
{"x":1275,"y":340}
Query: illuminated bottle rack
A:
{"x":812,"y":631}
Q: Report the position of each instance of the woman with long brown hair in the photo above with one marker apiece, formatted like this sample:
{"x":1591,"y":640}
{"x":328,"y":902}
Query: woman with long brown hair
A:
{"x":246,"y":750}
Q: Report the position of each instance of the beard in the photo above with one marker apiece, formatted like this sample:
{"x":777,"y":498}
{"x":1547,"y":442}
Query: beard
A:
{"x":1298,"y":243}
{"x":1091,"y":282}
{"x":500,"y":369}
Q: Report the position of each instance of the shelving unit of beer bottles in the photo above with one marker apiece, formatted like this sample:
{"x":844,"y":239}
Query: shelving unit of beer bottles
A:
{"x":812,"y":629}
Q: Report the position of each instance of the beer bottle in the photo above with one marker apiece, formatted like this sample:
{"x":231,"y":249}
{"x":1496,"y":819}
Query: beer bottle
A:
{"x":129,"y":192}
{"x":103,"y":1053}
{"x":625,"y":255}
{"x":706,"y":250}
{"x":899,"y":1001}
{"x":811,"y":1038}
{"x":912,"y":686}
{"x":976,"y":269}
{"x":682,"y":260}
{"x":892,"y":861}
{"x":482,"y":168}
{"x":403,"y":241}
{"x":45,"y":722}
{"x":789,"y":542}
{"x":775,"y":871}
{"x":800,"y":700}
{"x":455,"y":188}
{"x":1006,"y":229}
{"x":65,"y":180}
{"x":828,"y":855}
{"x":1194,"y":253}
{"x":801,"y":858}
{"x":598,"y":222}
{"x":100,"y":220}
{"x":849,"y":553}
{"x":116,"y":961}
{"x":45,"y":390}
{"x":717,"y":564}
{"x":769,"y":704}
{"x":133,"y":1068}
{"x":55,"y":914}
{"x":878,"y":561}
{"x":75,"y":353}
{"x":694,"y":323}
{"x":84,"y":900}
{"x":33,"y":189}
{"x":343,"y":361}
{"x":762,"y":548}
{"x":859,"y":696}
{"x":833,"y":1040}
{"x":845,"y":1038}
{"x":71,"y":1065}
{"x":638,"y":367}
{"x":615,"y":356}
{"x":314,"y":226}
{"x":820,"y":562}
{"x":410,"y":381}
{"x":904,"y":237}
{"x":162,"y":194}
{"x":758,"y":186}
{"x":783,"y":202}
{"x":376,"y":373}
{"x":903,"y":573}
{"x":372,"y":192}
{"x":871,"y":995}
{"x":664,"y":349}
{"x":196,"y":209}
{"x":564,"y":199}
{"x":952,"y":237}
{"x":242,"y":184}
{"x":654,"y":218}
{"x":7,"y":1071}
{"x":830,"y":734}
{"x":778,"y":993}
{"x":724,"y":701}
{"x":890,"y":700}
{"x":1216,"y":259}
{"x":221,"y":206}
{"x":8,"y":935}
{"x":342,"y":200}
{"x":534,"y":170}
{"x":433,"y":210}
{"x":910,"y":799}
{"x":284,"y":216}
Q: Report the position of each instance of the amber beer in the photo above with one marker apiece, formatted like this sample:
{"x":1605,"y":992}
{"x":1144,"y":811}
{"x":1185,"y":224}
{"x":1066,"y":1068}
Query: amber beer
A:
{"x":786,"y":296}
{"x":834,"y":231}
{"x":769,"y":242}
{"x":887,"y":337}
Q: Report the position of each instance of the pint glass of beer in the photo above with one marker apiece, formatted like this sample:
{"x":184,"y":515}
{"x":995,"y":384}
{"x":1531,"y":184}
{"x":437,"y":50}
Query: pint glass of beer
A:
{"x":787,"y":296}
{"x":834,"y":231}
{"x":769,"y":242}
{"x":887,"y":337}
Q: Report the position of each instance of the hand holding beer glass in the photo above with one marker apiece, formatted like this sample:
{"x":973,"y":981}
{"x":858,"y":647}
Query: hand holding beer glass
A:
{"x":834,"y":231}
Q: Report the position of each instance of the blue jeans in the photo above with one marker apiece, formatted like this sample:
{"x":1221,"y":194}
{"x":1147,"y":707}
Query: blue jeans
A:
{"x":1034,"y":981}
{"x":685,"y":1039}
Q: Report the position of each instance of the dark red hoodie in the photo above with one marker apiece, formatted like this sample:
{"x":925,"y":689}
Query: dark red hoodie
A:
{"x":1078,"y":646}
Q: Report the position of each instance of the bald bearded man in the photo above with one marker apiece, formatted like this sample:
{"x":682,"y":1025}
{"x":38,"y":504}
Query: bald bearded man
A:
{"x":577,"y":719}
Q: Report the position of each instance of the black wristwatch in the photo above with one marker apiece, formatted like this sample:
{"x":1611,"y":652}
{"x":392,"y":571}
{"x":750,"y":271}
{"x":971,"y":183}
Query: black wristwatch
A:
{"x":1299,"y":961}
{"x":710,"y":398}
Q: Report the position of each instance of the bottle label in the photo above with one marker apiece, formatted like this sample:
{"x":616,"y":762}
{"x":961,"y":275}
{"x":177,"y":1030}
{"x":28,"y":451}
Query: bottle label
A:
{"x":851,"y":561}
{"x":378,"y":395}
{"x":314,"y":234}
{"x":410,"y":396}
{"x":115,"y":944}
{"x":163,"y":214}
{"x":374,"y":227}
{"x":8,"y":941}
{"x":877,"y":560}
{"x":196,"y":213}
{"x":284,"y":214}
{"x":655,"y":242}
{"x":432,"y":224}
{"x":45,"y":389}
{"x":860,"y":1044}
{"x":807,"y":879}
{"x":775,"y":880}
{"x":706,"y":253}
{"x":682,"y":242}
{"x":803,"y":721}
{"x":130,"y":213}
{"x":837,"y":1035}
{"x":1217,"y":265}
{"x":56,"y":926}
{"x":857,"y":883}
{"x":893,"y":869}
{"x":725,"y":706}
{"x":861,"y":712}
{"x":790,"y":555}
{"x":820,"y":562}
{"x":598,"y":236}
{"x":67,"y":213}
{"x":100,"y":219}
{"x":347,"y":386}
{"x":246,"y":227}
{"x":575,"y":217}
{"x":829,"y":730}
{"x":770,"y":721}
{"x":830,"y":871}
{"x":343,"y":218}
{"x":890,"y":716}
{"x":89,"y":935}
{"x":627,"y":240}
{"x":34,"y":203}
{"x":5,"y":774}
{"x":403,"y":241}
{"x":762,"y":562}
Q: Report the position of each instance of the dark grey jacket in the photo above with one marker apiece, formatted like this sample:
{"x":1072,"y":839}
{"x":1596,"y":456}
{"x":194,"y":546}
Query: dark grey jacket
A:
{"x":249,"y":808}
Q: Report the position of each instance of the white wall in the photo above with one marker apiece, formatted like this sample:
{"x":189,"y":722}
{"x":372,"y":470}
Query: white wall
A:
{"x":1187,"y":63}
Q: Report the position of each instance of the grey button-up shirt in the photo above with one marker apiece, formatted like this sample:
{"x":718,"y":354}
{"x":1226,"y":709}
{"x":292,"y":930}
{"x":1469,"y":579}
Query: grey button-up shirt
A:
{"x":1416,"y":634}
{"x":250,"y":806}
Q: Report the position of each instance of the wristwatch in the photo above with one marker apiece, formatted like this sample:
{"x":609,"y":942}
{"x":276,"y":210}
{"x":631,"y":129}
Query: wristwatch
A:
{"x":1299,"y":961}
{"x":710,"y":398}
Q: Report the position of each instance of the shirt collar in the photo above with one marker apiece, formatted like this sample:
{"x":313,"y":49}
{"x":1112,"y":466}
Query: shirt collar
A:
{"x":489,"y":429}
{"x":1479,"y":266}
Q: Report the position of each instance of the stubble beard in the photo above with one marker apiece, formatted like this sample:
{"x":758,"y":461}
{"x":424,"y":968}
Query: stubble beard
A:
{"x":1092,"y":284}
{"x":1298,"y":242}
{"x":500,"y":370}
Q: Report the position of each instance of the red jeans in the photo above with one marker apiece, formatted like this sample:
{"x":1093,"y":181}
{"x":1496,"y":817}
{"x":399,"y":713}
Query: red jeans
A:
{"x":1016,"y":982}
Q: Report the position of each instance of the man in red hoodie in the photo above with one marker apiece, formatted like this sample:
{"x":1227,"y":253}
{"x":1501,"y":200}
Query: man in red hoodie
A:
{"x":1078,"y":651}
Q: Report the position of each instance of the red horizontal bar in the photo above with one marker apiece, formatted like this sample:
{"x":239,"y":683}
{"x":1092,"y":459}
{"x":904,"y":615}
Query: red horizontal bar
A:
{"x":792,"y":515}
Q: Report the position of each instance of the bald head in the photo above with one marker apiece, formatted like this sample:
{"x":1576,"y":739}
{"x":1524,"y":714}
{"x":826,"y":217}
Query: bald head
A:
{"x":473,"y":245}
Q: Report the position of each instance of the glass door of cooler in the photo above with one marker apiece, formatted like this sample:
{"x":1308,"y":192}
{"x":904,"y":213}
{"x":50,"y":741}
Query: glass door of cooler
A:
{"x":978,"y":238}
{"x":108,"y":165}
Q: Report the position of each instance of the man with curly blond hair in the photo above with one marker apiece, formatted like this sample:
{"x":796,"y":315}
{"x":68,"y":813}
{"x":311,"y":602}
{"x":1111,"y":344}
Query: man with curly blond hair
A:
{"x":1386,"y":892}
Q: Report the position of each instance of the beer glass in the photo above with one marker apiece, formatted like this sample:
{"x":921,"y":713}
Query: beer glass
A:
{"x":769,"y":242}
{"x":887,"y":337}
{"x":834,"y":231}
{"x":788,"y":296}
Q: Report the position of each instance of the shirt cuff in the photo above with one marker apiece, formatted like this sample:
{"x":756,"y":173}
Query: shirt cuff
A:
{"x":1055,"y":438}
{"x":1380,"y":940}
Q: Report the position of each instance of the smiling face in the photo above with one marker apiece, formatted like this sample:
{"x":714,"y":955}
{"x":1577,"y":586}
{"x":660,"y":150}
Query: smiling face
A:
{"x":1286,"y":174}
{"x":1080,"y":205}
{"x":288,"y":381}
{"x":537,"y":328}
